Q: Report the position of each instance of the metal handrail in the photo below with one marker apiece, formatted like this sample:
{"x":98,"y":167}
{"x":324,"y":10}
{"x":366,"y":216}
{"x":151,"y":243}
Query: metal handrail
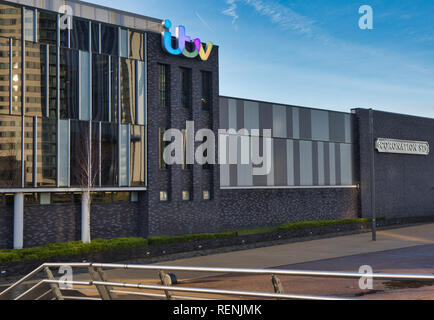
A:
{"x":108,"y":285}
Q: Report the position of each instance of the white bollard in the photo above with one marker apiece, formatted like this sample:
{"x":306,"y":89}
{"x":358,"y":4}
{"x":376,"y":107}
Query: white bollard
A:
{"x":18,"y":220}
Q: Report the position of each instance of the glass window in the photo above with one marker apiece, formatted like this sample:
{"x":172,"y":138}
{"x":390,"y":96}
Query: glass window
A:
{"x":63,"y":152}
{"x":29,"y":25}
{"x":109,"y":40}
{"x":124,"y":43}
{"x":186,"y":195}
{"x":16,"y":77}
{"x":85,"y":89}
{"x":100,"y":85}
{"x":28,"y":151}
{"x":95,"y":38}
{"x":95,"y":155}
{"x":206,"y":90}
{"x":4,"y":75}
{"x":109,"y":154}
{"x":163,"y":196}
{"x":124,"y":140}
{"x":136,"y":45}
{"x":10,"y":21}
{"x":80,"y":34}
{"x":114,"y":83}
{"x":163,"y":85}
{"x":47,"y":152}
{"x":61,"y":198}
{"x":47,"y":27}
{"x":69,"y":84}
{"x":141,"y":93}
{"x":52,"y":82}
{"x":31,"y":199}
{"x":137,"y":156}
{"x":35,"y":79}
{"x":128,"y":90}
{"x":121,"y":196}
{"x":185,"y":87}
{"x":80,"y":153}
{"x":206,"y":195}
{"x":10,"y":151}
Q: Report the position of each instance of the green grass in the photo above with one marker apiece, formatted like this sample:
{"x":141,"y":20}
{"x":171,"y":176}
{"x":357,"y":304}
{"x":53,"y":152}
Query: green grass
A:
{"x":100,"y":245}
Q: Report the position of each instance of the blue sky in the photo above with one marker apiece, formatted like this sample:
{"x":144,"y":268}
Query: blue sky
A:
{"x":312,"y":52}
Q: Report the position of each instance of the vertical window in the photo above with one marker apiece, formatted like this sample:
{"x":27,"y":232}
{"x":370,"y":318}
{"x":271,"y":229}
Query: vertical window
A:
{"x":109,"y":40}
{"x":52,"y":82}
{"x":136,"y":45}
{"x":10,"y":151}
{"x":109,"y":154}
{"x":206,"y":90}
{"x":162,"y":146}
{"x":47,"y":27}
{"x":185,"y":87}
{"x":95,"y":38}
{"x":206,"y":195}
{"x":124,"y":166}
{"x":114,"y":77}
{"x":128,"y":90}
{"x":69,"y":75}
{"x":123,"y":40}
{"x":80,"y":34}
{"x":36,"y":71}
{"x":141,"y":93}
{"x":4,"y":75}
{"x":100,"y":85}
{"x":17,"y":83}
{"x":137,"y":156}
{"x":162,"y":86}
{"x":29,"y":25}
{"x":47,"y":152}
{"x":63,"y":152}
{"x":81,"y":158}
{"x":28,"y":151}
{"x":185,"y":195}
{"x":163,"y":196}
{"x":85,"y":89}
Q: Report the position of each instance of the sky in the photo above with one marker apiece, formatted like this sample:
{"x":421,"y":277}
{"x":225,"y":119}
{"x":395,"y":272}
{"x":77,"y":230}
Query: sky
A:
{"x":312,"y":52}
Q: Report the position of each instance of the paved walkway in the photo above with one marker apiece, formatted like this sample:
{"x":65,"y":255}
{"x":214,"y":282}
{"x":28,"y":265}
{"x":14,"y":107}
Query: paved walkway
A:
{"x":298,"y":252}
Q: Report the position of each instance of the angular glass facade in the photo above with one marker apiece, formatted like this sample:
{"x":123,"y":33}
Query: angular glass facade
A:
{"x":72,"y":102}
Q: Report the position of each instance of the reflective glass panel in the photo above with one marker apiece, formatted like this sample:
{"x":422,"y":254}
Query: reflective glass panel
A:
{"x":68,"y":84}
{"x":10,"y":21}
{"x":137,"y":156}
{"x":100,"y":84}
{"x":128,"y":90}
{"x":17,"y":77}
{"x":136,"y":45}
{"x":28,"y":151}
{"x":47,"y":27}
{"x":109,"y":154}
{"x":10,"y":151}
{"x":109,"y":40}
{"x":4,"y":75}
{"x":47,"y":152}
{"x":35,"y":79}
{"x":80,"y":34}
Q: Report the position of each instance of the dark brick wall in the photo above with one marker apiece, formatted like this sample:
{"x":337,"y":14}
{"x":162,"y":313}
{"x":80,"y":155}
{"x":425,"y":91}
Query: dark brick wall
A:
{"x":404,"y":184}
{"x":263,"y":208}
{"x":177,"y":216}
{"x":6,"y":227}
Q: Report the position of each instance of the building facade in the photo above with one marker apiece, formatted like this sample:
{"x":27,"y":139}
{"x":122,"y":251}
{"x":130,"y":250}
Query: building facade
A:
{"x":87,"y":94}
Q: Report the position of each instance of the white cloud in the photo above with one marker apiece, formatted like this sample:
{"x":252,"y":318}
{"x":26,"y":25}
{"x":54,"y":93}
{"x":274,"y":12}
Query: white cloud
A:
{"x":231,"y":11}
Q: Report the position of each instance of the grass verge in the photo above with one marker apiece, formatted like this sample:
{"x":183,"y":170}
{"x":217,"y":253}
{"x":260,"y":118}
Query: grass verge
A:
{"x":100,"y":245}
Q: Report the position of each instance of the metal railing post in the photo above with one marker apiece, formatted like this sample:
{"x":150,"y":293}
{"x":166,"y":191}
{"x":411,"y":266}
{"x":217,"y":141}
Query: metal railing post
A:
{"x":104,"y":291}
{"x":166,"y":281}
{"x":54,"y":286}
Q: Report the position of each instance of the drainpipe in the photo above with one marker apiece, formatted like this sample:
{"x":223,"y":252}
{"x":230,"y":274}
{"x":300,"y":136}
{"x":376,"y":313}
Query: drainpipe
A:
{"x":18,"y":220}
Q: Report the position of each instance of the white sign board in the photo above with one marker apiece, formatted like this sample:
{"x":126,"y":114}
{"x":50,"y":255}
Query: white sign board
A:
{"x":402,"y":146}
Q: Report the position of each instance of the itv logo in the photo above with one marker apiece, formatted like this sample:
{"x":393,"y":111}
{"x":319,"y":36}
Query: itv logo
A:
{"x":181,"y":40}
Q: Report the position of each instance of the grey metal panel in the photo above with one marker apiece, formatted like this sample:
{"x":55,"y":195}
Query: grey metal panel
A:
{"x":290,"y":162}
{"x":327,"y":163}
{"x":332,"y":163}
{"x":225,"y":179}
{"x":265,"y":116}
{"x":244,"y":171}
{"x":63,"y":153}
{"x":305,"y":124}
{"x":297,"y":162}
{"x":347,"y":125}
{"x":289,"y":123}
{"x":232,"y":114}
{"x":321,"y":164}
{"x":279,"y":121}
{"x":280,"y":162}
{"x":306,"y":172}
{"x":224,"y":113}
{"x":240,"y":114}
{"x":315,"y":163}
{"x":296,"y":123}
{"x":337,"y":127}
{"x":346,"y":164}
{"x":338,"y":163}
{"x":260,"y":180}
{"x":320,"y":125}
{"x":251,"y":115}
{"x":233,"y":175}
{"x":270,"y":176}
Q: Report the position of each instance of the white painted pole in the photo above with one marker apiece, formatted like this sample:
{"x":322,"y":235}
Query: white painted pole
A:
{"x":18,"y":220}
{"x":85,"y":217}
